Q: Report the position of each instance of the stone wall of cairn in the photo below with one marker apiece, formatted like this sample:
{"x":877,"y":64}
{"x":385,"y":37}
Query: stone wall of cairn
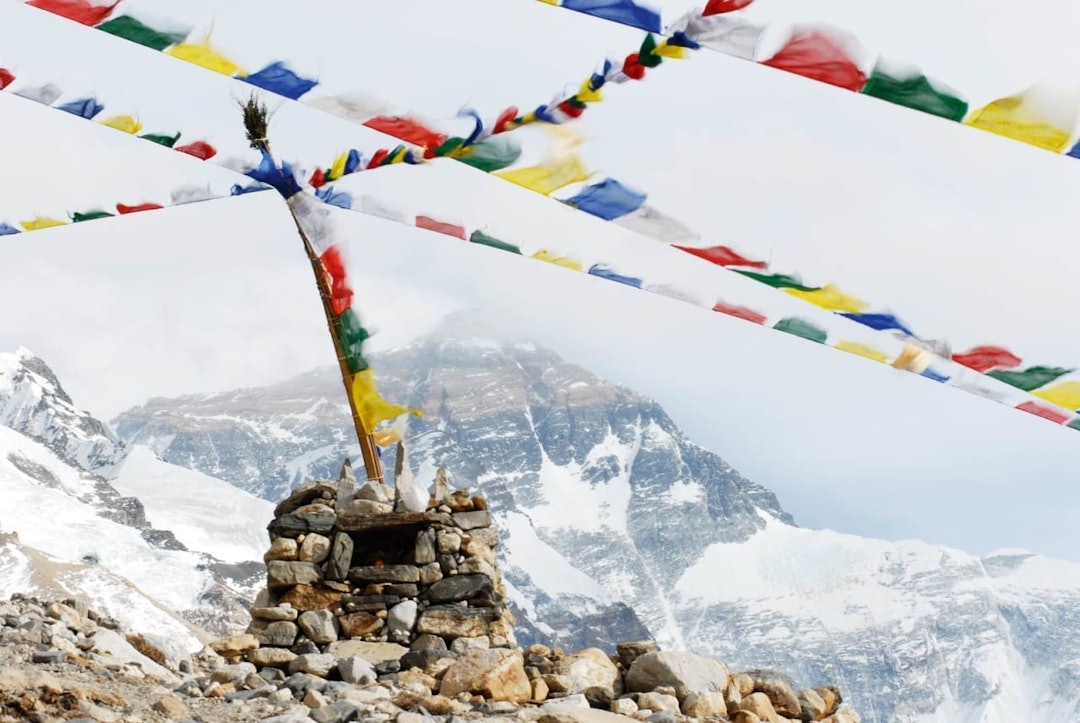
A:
{"x":349,"y":563}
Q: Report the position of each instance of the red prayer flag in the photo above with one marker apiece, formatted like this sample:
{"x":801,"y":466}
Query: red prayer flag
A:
{"x":318,"y":178}
{"x":123,"y":208}
{"x":505,"y":117}
{"x":1054,"y":415}
{"x":814,"y":54}
{"x":379,"y":156}
{"x":722,"y":256}
{"x":6,"y":78}
{"x":408,"y":130}
{"x":632,"y":68}
{"x":716,"y":7}
{"x":985,"y":358}
{"x":334,"y":267}
{"x":740,"y":311}
{"x":199,"y":149}
{"x":571,"y":110}
{"x":441,"y":226}
{"x":81,"y":11}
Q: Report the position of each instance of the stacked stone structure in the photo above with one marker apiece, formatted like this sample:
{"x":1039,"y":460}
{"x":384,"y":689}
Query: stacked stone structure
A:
{"x":349,"y":563}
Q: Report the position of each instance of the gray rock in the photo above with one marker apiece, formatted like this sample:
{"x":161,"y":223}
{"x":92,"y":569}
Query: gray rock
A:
{"x":631,"y":651}
{"x":279,"y":634}
{"x":49,"y":656}
{"x":319,"y":664}
{"x":355,"y":669}
{"x":425,"y":547}
{"x":319,"y":625}
{"x":285,"y":573}
{"x":386,"y":573}
{"x":341,"y":552}
{"x":401,"y":619}
{"x":685,"y":672}
{"x":428,"y":642}
{"x":430,"y":574}
{"x":447,"y":543}
{"x":315,"y":517}
{"x":460,"y":587}
{"x":275,"y":613}
{"x":472,"y":520}
{"x":315,"y":548}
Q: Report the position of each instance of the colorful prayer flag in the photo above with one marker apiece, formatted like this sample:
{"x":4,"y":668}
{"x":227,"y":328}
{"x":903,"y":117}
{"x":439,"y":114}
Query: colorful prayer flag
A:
{"x":852,"y":347}
{"x":408,"y":130}
{"x":78,"y":217}
{"x":7,"y":229}
{"x":722,"y":256}
{"x":604,"y":271}
{"x":608,"y":200}
{"x":985,"y":358}
{"x":880,"y":322}
{"x":548,"y":177}
{"x":279,"y":78}
{"x":1031,"y":378}
{"x":831,"y":298}
{"x":125,"y":123}
{"x":83,"y":107}
{"x":205,"y":55}
{"x":200,"y":149}
{"x":647,"y":221}
{"x":370,"y":405}
{"x":124,"y":209}
{"x":1064,"y":394}
{"x":41,"y":222}
{"x":6,"y":78}
{"x":723,"y":33}
{"x":45,"y":94}
{"x":1054,"y":415}
{"x":716,"y":7}
{"x":479,"y":237}
{"x":161,"y":139}
{"x":564,"y":261}
{"x":740,"y":311}
{"x":777,"y":281}
{"x":620,"y":11}
{"x":1022,"y":118}
{"x":803,"y":328}
{"x":490,"y":154}
{"x":431,"y":224}
{"x":81,"y":11}
{"x":913,"y":358}
{"x":129,"y":28}
{"x":820,"y":55}
{"x":912,"y":89}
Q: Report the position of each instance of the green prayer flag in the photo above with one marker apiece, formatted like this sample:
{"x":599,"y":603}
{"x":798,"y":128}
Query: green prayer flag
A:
{"x":1074,"y":424}
{"x":647,"y":55}
{"x":492,"y":154}
{"x":353,"y":335}
{"x":1031,"y":378}
{"x":90,"y":216}
{"x":448,"y":146}
{"x":801,"y":327}
{"x":777,"y":281}
{"x":129,"y":28}
{"x":479,"y":237}
{"x":914,"y":91}
{"x":167,"y":141}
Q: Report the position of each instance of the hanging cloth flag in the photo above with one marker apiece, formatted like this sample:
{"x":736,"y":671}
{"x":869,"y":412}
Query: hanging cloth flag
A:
{"x":253,"y":187}
{"x":192,"y":194}
{"x":341,"y":199}
{"x":565,"y":261}
{"x":205,"y":55}
{"x":621,"y":11}
{"x":129,"y":28}
{"x":1029,"y":117}
{"x":1074,"y":424}
{"x":40,"y":222}
{"x":78,"y":217}
{"x":929,"y":373}
{"x":548,"y":177}
{"x":985,"y":358}
{"x":869,"y":352}
{"x":161,"y":139}
{"x":374,"y":207}
{"x":1029,"y":379}
{"x":354,"y":106}
{"x":8,"y":229}
{"x":880,"y":322}
{"x":739,"y":311}
{"x":479,"y":237}
{"x":450,"y":229}
{"x":353,"y":335}
{"x":125,"y":123}
{"x":6,"y":78}
{"x":45,"y":94}
{"x":490,"y":155}
{"x":722,"y":33}
{"x":608,"y":199}
{"x":647,"y":221}
{"x":1039,"y":410}
{"x":81,"y":11}
{"x":831,"y":298}
{"x":84,"y":107}
{"x":604,"y":271}
{"x":1064,"y":394}
{"x":124,"y":209}
{"x":777,"y":281}
{"x":408,"y":130}
{"x":911,"y":89}
{"x":716,"y":7}
{"x":913,"y":358}
{"x":279,"y":78}
{"x":370,"y":405}
{"x":200,"y":149}
{"x":333,"y":266}
{"x":721,"y":256}
{"x":820,"y":55}
{"x":801,"y":327}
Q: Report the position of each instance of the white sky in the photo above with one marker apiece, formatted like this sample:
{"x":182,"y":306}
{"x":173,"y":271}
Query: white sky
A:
{"x":964,"y":234}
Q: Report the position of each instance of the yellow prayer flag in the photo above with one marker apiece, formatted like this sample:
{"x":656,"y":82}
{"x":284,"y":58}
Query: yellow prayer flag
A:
{"x":370,"y":405}
{"x":564,"y":261}
{"x":547,"y":177}
{"x":39,"y":222}
{"x":667,"y":50}
{"x":1019,"y":118}
{"x":205,"y":55}
{"x":831,"y":298}
{"x":399,"y":155}
{"x":1064,"y":394}
{"x":125,"y":123}
{"x":387,"y":437}
{"x":913,"y":359}
{"x":337,"y":169}
{"x":588,"y":94}
{"x":853,"y":347}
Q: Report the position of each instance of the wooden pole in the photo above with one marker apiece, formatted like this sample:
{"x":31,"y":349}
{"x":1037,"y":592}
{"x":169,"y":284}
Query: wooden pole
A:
{"x":367,"y":441}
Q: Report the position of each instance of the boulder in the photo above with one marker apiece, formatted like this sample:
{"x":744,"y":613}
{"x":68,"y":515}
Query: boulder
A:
{"x":812,"y":705}
{"x":319,"y":625}
{"x":355,"y":669}
{"x":280,"y":633}
{"x":494,"y":674}
{"x":624,"y":706}
{"x":472,"y":520}
{"x":760,"y":705}
{"x":271,"y":657}
{"x":359,"y":625}
{"x":401,"y":619}
{"x":686,"y":672}
{"x":539,"y":690}
{"x":278,"y":612}
{"x":308,"y":597}
{"x":658,"y":702}
{"x":447,"y":543}
{"x":449,"y":621}
{"x":591,"y":673}
{"x":704,"y":705}
{"x":284,"y":573}
{"x":315,"y":548}
{"x":783,"y":699}
{"x":744,"y":716}
{"x":832,"y":698}
{"x":235,"y":645}
{"x":631,"y":651}
{"x":319,"y":664}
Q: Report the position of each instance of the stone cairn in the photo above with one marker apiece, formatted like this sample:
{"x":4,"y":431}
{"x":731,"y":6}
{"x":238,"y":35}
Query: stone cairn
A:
{"x":373,"y":612}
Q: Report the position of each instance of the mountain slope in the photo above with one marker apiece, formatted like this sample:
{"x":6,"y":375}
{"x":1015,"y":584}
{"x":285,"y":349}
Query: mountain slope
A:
{"x":613,"y":520}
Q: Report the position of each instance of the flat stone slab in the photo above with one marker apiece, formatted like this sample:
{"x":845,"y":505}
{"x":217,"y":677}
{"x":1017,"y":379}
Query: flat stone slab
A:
{"x":374,"y":653}
{"x":350,"y":521}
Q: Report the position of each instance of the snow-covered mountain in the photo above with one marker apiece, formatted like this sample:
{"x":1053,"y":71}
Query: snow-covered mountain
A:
{"x":156,"y":546}
{"x":614,"y":520}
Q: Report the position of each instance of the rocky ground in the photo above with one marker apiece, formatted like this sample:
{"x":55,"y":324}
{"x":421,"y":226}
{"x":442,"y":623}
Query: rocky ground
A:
{"x":61,"y":661}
